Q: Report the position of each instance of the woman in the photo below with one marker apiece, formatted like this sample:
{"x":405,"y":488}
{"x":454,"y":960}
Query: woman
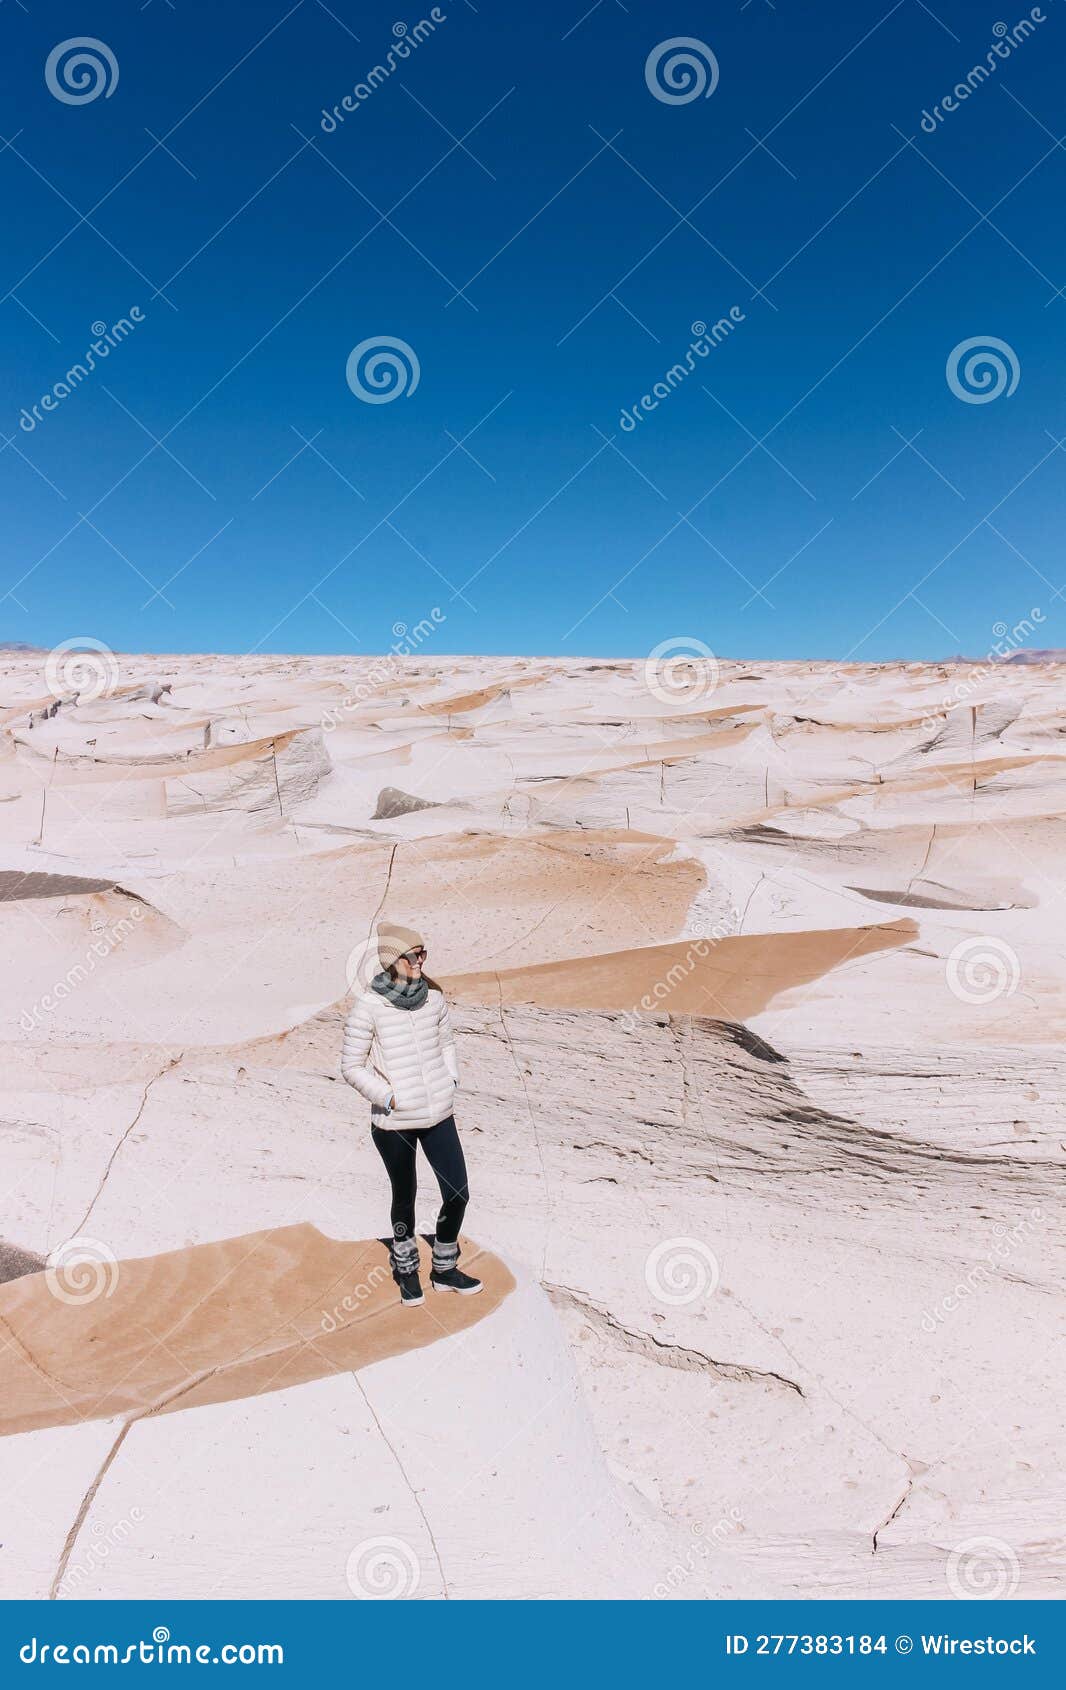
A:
{"x":399,"y":1053}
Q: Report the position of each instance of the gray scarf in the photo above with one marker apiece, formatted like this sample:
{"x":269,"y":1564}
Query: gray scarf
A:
{"x":405,"y":994}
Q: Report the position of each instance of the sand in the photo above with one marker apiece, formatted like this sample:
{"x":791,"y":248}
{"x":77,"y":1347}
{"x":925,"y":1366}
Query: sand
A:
{"x":158,"y":1334}
{"x":734,"y":977}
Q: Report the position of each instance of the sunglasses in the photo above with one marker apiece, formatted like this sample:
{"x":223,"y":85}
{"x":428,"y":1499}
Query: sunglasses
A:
{"x":415,"y":956}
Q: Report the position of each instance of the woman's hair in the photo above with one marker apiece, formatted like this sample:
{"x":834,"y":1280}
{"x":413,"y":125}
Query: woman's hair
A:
{"x":433,"y":985}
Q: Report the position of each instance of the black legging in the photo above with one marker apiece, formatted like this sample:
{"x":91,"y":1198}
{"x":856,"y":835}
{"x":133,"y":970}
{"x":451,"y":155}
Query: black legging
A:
{"x":445,"y":1156}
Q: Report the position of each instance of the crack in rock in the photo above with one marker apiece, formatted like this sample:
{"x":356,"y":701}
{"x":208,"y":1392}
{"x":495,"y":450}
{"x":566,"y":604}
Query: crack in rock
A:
{"x":887,"y":1521}
{"x":173,"y":1063}
{"x":105,"y":1466}
{"x":407,"y":1481}
{"x":79,"y":1519}
{"x":654,"y":1349}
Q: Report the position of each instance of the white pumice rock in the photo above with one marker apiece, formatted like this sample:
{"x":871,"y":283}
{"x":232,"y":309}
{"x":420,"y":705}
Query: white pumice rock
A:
{"x":758,"y":995}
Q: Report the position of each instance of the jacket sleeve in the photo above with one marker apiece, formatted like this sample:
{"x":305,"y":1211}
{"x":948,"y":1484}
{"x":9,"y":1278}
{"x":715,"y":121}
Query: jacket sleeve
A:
{"x":358,"y":1037}
{"x":447,"y":1041}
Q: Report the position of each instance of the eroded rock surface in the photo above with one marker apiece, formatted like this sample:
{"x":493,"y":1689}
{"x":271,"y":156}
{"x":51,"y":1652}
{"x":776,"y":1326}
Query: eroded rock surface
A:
{"x":759,"y":996}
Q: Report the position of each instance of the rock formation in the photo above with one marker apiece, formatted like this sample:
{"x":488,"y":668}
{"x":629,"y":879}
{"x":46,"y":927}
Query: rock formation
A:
{"x":756,"y":982}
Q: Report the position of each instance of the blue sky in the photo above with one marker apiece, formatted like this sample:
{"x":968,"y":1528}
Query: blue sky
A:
{"x":515,"y":204}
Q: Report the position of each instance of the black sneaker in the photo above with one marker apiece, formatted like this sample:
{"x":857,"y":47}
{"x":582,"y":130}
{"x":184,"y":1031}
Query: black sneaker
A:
{"x":453,"y":1280}
{"x":410,"y":1289}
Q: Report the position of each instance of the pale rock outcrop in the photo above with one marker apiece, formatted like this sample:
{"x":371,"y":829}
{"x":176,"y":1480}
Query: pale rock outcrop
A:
{"x":271,"y":776}
{"x":759,"y":996}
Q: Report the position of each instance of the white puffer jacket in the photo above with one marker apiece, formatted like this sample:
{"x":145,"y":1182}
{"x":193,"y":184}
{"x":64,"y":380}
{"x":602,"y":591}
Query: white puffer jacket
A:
{"x":408,"y":1054}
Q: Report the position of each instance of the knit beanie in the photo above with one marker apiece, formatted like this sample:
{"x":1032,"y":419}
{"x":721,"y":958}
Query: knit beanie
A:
{"x":394,"y":941}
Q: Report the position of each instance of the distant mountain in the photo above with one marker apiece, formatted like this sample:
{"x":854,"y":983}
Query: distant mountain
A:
{"x":1054,"y":654}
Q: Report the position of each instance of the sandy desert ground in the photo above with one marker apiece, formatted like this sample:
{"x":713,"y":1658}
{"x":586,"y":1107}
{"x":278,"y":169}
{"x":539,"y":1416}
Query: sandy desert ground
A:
{"x":760,"y":989}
